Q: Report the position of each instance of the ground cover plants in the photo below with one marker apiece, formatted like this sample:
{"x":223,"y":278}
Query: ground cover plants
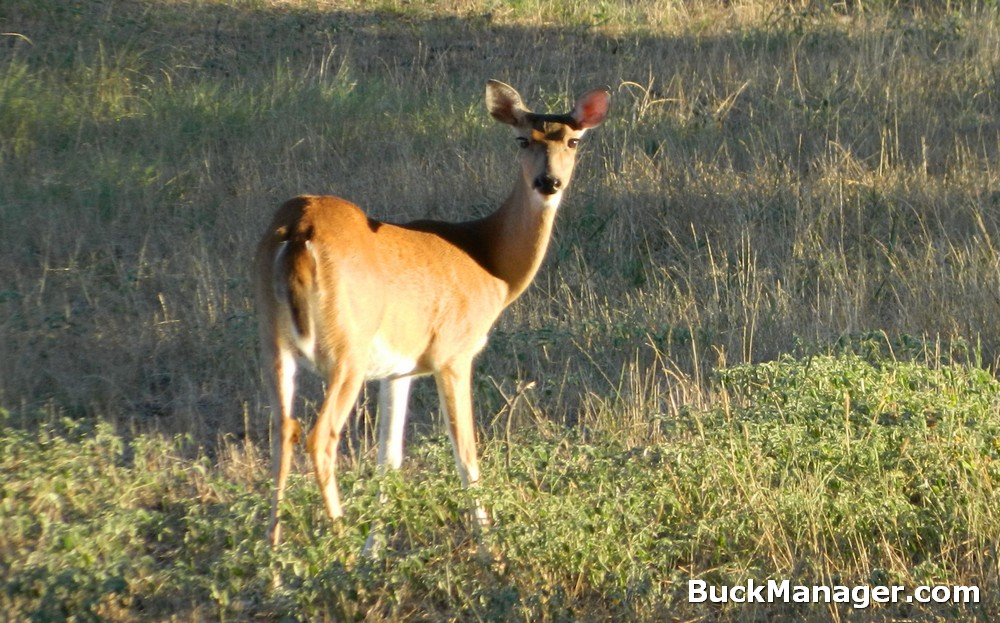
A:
{"x":836,"y":469}
{"x":762,"y":345}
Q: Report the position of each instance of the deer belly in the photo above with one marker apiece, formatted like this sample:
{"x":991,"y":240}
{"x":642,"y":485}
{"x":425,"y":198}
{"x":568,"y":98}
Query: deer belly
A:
{"x":384,"y":362}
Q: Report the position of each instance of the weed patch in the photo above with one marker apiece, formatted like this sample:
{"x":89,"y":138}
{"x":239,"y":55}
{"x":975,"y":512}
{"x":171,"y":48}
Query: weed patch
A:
{"x":822,"y":470}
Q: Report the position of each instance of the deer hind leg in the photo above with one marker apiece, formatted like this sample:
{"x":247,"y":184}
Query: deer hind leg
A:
{"x":284,"y":432}
{"x":322,"y":442}
{"x":455,"y":392}
{"x":393,"y":395}
{"x":392,"y":398}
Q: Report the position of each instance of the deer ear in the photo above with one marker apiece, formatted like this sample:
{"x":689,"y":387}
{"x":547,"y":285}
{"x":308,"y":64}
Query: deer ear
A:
{"x":504,"y":103}
{"x":591,"y":108}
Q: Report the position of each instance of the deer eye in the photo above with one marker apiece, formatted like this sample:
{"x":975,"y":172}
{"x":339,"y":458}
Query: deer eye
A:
{"x":523,"y":142}
{"x":572,"y":143}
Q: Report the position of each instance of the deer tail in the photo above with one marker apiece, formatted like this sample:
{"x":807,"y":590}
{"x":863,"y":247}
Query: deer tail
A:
{"x":295,"y":280}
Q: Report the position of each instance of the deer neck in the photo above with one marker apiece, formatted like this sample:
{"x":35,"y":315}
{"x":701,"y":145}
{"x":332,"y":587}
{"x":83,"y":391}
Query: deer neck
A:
{"x":521,"y":228}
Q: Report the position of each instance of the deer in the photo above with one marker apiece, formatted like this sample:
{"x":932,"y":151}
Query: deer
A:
{"x":354,"y":299}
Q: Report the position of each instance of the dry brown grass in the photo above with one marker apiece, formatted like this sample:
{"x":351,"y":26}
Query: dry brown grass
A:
{"x":777,"y":175}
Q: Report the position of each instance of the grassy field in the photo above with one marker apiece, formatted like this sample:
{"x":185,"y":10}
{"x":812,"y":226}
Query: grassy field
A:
{"x":762,"y":346}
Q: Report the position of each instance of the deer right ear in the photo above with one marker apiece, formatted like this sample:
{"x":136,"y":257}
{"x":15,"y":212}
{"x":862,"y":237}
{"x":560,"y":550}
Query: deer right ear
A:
{"x":592,"y":108}
{"x":504,"y":103}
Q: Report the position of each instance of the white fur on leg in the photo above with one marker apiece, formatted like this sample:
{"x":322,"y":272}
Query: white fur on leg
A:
{"x":392,"y":399}
{"x":393,"y":395}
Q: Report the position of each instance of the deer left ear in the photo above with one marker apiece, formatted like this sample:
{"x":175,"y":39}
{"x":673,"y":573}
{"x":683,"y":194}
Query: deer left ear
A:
{"x":591,"y":108}
{"x":504,"y":103}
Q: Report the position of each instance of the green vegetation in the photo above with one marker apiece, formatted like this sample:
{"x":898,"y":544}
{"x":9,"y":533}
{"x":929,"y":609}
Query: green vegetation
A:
{"x":761,"y":345}
{"x":827,"y":470}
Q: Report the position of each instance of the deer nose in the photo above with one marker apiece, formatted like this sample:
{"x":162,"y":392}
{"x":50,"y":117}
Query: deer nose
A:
{"x":547,"y":184}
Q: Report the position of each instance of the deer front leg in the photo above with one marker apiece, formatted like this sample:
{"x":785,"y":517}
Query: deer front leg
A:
{"x":454,"y":384}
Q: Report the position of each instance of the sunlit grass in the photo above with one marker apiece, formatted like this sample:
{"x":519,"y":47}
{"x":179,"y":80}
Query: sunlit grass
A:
{"x":827,"y":469}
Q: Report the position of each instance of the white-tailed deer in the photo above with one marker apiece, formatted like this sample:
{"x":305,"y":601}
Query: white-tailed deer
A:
{"x":355,"y":299}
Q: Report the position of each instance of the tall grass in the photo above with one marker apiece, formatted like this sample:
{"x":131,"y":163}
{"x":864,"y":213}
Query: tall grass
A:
{"x":773,"y":176}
